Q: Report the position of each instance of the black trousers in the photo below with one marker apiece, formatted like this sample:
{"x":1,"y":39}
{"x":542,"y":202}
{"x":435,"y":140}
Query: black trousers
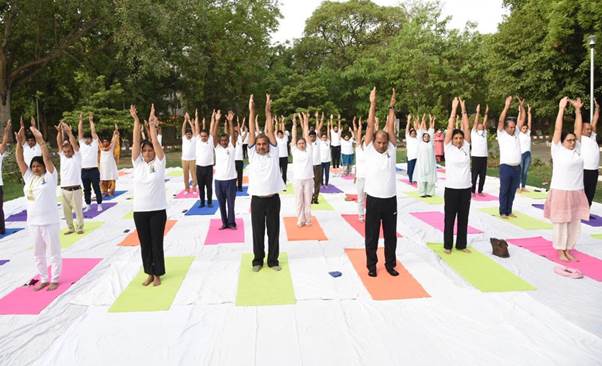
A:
{"x":2,"y":223}
{"x":457,"y":205}
{"x":150,"y":226}
{"x":265,"y":212}
{"x":226,"y":196}
{"x":239,"y":167}
{"x":478,"y":169}
{"x":283,"y":166}
{"x":204,"y":177}
{"x":381,"y":210}
{"x":590,"y":181}
{"x":336,"y":156}
{"x":245,"y":151}
{"x":91,"y":179}
{"x":317,"y":181}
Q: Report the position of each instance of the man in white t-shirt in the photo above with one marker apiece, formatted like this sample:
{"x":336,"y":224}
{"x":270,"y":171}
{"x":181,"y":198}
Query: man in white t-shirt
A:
{"x":205,"y":159}
{"x":240,"y":134}
{"x":335,"y":142}
{"x":590,"y":151}
{"x":381,"y":200}
{"x":479,"y":151}
{"x":188,"y":153}
{"x":316,"y":160}
{"x":265,"y":182}
{"x":282,"y":143}
{"x":88,"y":148}
{"x":70,"y":177}
{"x":7,"y":133}
{"x":225,"y":172}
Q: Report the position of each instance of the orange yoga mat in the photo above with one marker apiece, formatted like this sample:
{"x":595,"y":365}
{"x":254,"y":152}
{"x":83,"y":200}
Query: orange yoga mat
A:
{"x":385,"y":286}
{"x":132,"y":239}
{"x":354,"y":221}
{"x":313,"y":232}
{"x":245,"y":179}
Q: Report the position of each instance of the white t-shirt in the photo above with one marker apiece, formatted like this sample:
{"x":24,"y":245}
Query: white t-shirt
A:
{"x":204,"y":152}
{"x":478,"y":140}
{"x":567,"y":168}
{"x":1,"y":159}
{"x":360,"y":162}
{"x":188,"y":148}
{"x":71,"y":169}
{"x":590,"y":152}
{"x":40,"y":193}
{"x":238,"y":153}
{"x":315,"y":152}
{"x":509,"y":148}
{"x":149,"y":185}
{"x":282,"y":146}
{"x":160,"y":139}
{"x":246,"y":139}
{"x":411,"y":147}
{"x":335,"y":138}
{"x":525,"y":141}
{"x":324,"y":151}
{"x":302,"y":162}
{"x":380,"y":172}
{"x":225,"y":169}
{"x":347,"y":146}
{"x":457,"y":166}
{"x":30,"y":152}
{"x":89,"y":153}
{"x":264,"y":172}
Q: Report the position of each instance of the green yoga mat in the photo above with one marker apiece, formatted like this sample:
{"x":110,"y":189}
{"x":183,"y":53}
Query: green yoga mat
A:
{"x":481,"y":271}
{"x":128,"y":216}
{"x":597,"y":236}
{"x":323,"y":205}
{"x":266,"y":287}
{"x":289,"y":191}
{"x":68,"y":240}
{"x":176,"y":173}
{"x":435,"y":200}
{"x":137,"y":298}
{"x":535,"y":195}
{"x":521,"y":220}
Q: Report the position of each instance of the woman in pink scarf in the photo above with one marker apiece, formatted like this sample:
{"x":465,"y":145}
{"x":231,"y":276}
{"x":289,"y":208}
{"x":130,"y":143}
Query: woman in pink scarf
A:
{"x":439,"y":137}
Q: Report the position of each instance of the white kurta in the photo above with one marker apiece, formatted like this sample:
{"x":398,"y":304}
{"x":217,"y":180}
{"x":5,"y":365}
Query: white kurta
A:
{"x":107,"y":165}
{"x":426,"y":166}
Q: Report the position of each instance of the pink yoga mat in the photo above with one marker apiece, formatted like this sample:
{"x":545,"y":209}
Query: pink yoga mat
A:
{"x":183,"y":194}
{"x":216,"y":236}
{"x":24,"y":300}
{"x":407,"y":181}
{"x":486,"y":198}
{"x":436,"y":220}
{"x":588,"y":265}
{"x":348,"y":177}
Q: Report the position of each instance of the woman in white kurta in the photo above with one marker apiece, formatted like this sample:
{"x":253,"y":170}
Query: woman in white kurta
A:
{"x":360,"y":170}
{"x":303,"y":171}
{"x":107,"y":165}
{"x":426,"y":165}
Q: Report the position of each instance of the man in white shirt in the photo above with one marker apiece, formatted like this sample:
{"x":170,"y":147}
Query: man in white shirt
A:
{"x":70,"y":174}
{"x":240,"y":134}
{"x":282,"y":143}
{"x":188,"y":153}
{"x":88,"y":147}
{"x":510,"y":157}
{"x":381,"y":200}
{"x":335,"y":142}
{"x":590,"y":151}
{"x":205,"y":159}
{"x":479,"y":151}
{"x":265,"y":182}
{"x":225,"y":172}
{"x":316,"y":160}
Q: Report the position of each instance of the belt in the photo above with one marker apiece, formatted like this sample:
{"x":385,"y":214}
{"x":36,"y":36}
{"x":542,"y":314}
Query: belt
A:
{"x":268,"y":196}
{"x":71,"y":188}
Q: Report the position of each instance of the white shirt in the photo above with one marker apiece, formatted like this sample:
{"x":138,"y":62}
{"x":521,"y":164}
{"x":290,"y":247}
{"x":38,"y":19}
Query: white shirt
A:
{"x":335,"y":138}
{"x":347,"y":146}
{"x":40,"y":193}
{"x":1,"y":159}
{"x":525,"y":141}
{"x":360,"y":162}
{"x":590,"y":152}
{"x":457,"y":166}
{"x":509,"y":148}
{"x":204,"y":152}
{"x":411,"y":147}
{"x":149,"y":185}
{"x":225,"y":168}
{"x":238,"y":153}
{"x":567,"y":168}
{"x":324,"y":151}
{"x":246,"y":140}
{"x":282,"y":146}
{"x":89,"y":153}
{"x":303,"y":167}
{"x":71,"y":169}
{"x":478,"y":140}
{"x":315,"y":152}
{"x":30,"y":152}
{"x":264,"y":172}
{"x":160,"y":139}
{"x":380,"y":172}
{"x":188,"y":148}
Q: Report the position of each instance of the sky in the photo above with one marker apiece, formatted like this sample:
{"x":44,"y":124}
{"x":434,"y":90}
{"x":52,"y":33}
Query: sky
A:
{"x":486,"y":13}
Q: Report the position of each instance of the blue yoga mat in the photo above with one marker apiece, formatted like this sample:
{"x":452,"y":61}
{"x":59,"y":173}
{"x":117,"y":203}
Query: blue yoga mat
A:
{"x":196,"y":210}
{"x":10,"y":231}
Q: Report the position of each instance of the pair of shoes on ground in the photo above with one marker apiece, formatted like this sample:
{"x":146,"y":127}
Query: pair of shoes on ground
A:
{"x":390,"y":270}
{"x":258,"y":267}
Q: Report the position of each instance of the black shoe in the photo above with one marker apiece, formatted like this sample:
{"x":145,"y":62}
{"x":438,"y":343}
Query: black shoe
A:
{"x":392,"y":271}
{"x":240,"y":189}
{"x":224,"y":227}
{"x":232,"y":226}
{"x":210,"y":205}
{"x":202,"y":205}
{"x":372,"y":272}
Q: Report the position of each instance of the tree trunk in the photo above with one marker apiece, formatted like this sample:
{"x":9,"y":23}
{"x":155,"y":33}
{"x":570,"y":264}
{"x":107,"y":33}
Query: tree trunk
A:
{"x":4,"y":108}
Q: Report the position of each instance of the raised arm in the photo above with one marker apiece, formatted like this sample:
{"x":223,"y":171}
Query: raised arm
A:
{"x":294,"y":131}
{"x":5,"y":135}
{"x":431,"y":122}
{"x":20,"y":137}
{"x":485,"y":117}
{"x":59,"y":135}
{"x":390,"y":127}
{"x":465,"y":123}
{"x":502,"y":119}
{"x":559,"y":119}
{"x":408,"y":122}
{"x":230,"y":119}
{"x":214,"y":125}
{"x":196,"y":130}
{"x":72,"y":140}
{"x":80,"y":127}
{"x":269,"y":127}
{"x":252,"y":125}
{"x":185,"y":122}
{"x":596,"y":116}
{"x":476,"y":117}
{"x":304,"y":120}
{"x":44,"y":148}
{"x":522,"y":114}
{"x":153,"y":126}
{"x":92,"y":126}
{"x":529,"y":117}
{"x":115,"y":138}
{"x":339,"y":124}
{"x":578,"y":104}
{"x":451,"y":123}
{"x":136,"y":133}
{"x":371,"y":118}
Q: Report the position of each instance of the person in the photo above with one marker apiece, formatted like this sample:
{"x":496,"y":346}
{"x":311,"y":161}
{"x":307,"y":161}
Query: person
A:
{"x":240,"y":134}
{"x":439,"y":138}
{"x":458,"y":184}
{"x":590,"y":151}
{"x":189,"y":153}
{"x":347,"y":152}
{"x":88,"y":148}
{"x":149,"y":202}
{"x":108,"y":165}
{"x":479,"y":151}
{"x":566,"y":203}
{"x":265,"y":182}
{"x":411,"y":148}
{"x":204,"y":159}
{"x":245,"y":141}
{"x":71,"y":180}
{"x":30,"y":147}
{"x":360,"y":170}
{"x":335,"y":143}
{"x":510,"y":158}
{"x":525,"y":149}
{"x":225,"y":171}
{"x":42,"y":216}
{"x":381,"y":195}
{"x":282,"y":141}
{"x":426,"y":166}
{"x":7,"y":131}
{"x":325,"y":154}
{"x":316,"y":157}
{"x":303,"y":174}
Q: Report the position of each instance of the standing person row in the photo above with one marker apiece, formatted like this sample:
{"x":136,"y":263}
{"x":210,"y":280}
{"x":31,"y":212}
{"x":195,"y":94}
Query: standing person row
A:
{"x":302,"y":170}
{"x":282,"y":141}
{"x":240,"y":135}
{"x":316,"y":154}
{"x":426,"y":166}
{"x":3,"y":145}
{"x":189,"y":153}
{"x":225,"y":171}
{"x":335,"y":142}
{"x":591,"y":156}
{"x":108,"y":165}
{"x":325,"y":154}
{"x":480,"y":150}
{"x":88,"y":147}
{"x":205,"y":159}
{"x":525,"y":149}
{"x":411,"y":148}
{"x":360,"y":169}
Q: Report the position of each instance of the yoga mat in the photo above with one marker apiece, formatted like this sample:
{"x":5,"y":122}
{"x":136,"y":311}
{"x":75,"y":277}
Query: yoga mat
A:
{"x":360,"y":227}
{"x":122,"y":173}
{"x":266,"y":287}
{"x":485,"y":198}
{"x":176,"y":173}
{"x":350,"y":197}
{"x":243,"y":193}
{"x":385,"y":286}
{"x":138,"y":298}
{"x":185,"y":195}
{"x":436,"y":220}
{"x":217,"y":236}
{"x":312,"y":232}
{"x":407,"y":181}
{"x":481,"y":271}
{"x":92,"y":212}
{"x":588,"y":265}
{"x":196,"y":210}
{"x":288,"y":190}
{"x":19,"y":216}
{"x":441,"y":170}
{"x":10,"y":231}
{"x":435,"y":200}
{"x":245,"y":179}
{"x":594,"y":220}
{"x":117,"y":194}
{"x":128,"y":216}
{"x":322,"y":205}
{"x":24,"y":300}
{"x":521,"y":220}
{"x":68,"y":240}
{"x":4,"y":261}
{"x":132,"y":239}
{"x":330,"y":189}
{"x":535,"y":195}
{"x":348,"y":177}
{"x":597,"y":236}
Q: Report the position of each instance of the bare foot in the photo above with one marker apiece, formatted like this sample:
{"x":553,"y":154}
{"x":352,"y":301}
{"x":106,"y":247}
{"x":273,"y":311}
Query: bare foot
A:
{"x":300,"y":224}
{"x":157,"y":281}
{"x":40,"y":285}
{"x":512,"y":215}
{"x":53,"y":286}
{"x":504,"y":217}
{"x":465,"y":250}
{"x":570,"y":256}
{"x":563,"y":257}
{"x":447,"y":251}
{"x":148,"y":280}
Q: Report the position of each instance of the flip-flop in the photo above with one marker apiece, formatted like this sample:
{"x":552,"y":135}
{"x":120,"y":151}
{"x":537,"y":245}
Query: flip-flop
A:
{"x":568,"y":272}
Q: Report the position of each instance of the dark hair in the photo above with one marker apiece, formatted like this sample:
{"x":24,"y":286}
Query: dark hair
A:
{"x":188,"y":130}
{"x":564,"y":135}
{"x":145,"y":143}
{"x":39,"y":160}
{"x":299,"y":139}
{"x":381,"y":132}
{"x":323,"y":134}
{"x":508,"y":120}
{"x":200,"y":132}
{"x":457,"y":131}
{"x":312,"y":133}
{"x":29,"y":136}
{"x":280,"y":131}
{"x":412,"y":130}
{"x":262,"y":136}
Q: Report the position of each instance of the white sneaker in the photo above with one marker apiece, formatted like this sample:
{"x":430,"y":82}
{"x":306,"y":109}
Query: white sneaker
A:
{"x":99,"y":207}
{"x":86,"y":208}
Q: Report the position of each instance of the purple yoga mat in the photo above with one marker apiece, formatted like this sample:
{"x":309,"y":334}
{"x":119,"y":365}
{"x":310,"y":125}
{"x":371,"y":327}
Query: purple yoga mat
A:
{"x":3,"y":261}
{"x":19,"y":216}
{"x":594,"y":220}
{"x":93,"y":210}
{"x":330,"y":189}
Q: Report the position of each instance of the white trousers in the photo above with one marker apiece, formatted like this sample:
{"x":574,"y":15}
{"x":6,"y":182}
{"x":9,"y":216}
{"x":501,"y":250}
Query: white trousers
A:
{"x":565,"y":235}
{"x":72,"y":201}
{"x":304,"y":189}
{"x":360,"y":185}
{"x":426,"y":188}
{"x":46,"y":237}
